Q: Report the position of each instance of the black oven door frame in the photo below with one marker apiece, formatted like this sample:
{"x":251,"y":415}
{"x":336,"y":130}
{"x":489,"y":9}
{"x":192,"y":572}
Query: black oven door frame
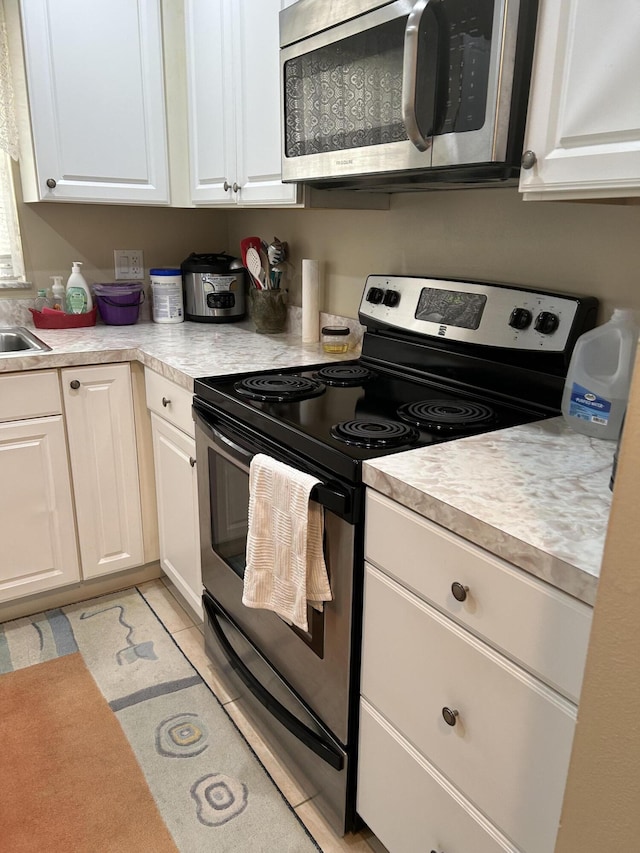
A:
{"x":323,"y":678}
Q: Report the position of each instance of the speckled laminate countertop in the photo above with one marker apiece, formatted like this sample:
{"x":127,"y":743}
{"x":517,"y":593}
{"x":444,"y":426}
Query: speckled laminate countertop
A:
{"x":181,"y":352}
{"x":536,"y":495}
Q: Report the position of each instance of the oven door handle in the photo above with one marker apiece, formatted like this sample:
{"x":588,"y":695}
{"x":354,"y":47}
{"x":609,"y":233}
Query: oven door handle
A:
{"x":328,"y":497}
{"x":323,"y":748}
{"x":239,"y":452}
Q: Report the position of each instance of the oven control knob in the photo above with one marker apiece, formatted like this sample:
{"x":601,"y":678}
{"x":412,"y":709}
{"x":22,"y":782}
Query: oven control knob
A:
{"x":375,"y":295}
{"x":391,"y":298}
{"x":520,"y":318}
{"x":546,"y":323}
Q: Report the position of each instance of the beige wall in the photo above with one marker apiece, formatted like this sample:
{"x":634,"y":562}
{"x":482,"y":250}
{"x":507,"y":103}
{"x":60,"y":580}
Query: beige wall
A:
{"x":601,"y":809}
{"x":55,"y":234}
{"x":486,"y":234}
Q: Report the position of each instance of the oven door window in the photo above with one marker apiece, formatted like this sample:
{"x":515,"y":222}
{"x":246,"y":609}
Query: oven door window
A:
{"x":229,"y":500}
{"x":229,"y":495}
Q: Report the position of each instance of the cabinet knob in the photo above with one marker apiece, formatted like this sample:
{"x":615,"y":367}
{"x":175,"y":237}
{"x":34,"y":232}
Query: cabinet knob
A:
{"x":75,"y":384}
{"x":165,"y":402}
{"x":529,"y":160}
{"x":459,"y":591}
{"x":235,"y":187}
{"x":192,"y":461}
{"x":226,"y":186}
{"x":450,"y":716}
{"x":51,"y":183}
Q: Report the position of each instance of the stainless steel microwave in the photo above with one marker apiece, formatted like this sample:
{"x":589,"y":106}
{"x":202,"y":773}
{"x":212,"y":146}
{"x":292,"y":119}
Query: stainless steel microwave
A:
{"x":404,"y":94}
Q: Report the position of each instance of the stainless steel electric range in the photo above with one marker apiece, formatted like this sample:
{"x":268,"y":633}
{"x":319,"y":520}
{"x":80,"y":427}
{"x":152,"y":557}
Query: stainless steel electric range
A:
{"x":440,"y":360}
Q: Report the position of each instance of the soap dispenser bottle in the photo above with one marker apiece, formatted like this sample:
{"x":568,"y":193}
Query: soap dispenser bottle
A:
{"x":58,"y":295}
{"x":79,"y":299}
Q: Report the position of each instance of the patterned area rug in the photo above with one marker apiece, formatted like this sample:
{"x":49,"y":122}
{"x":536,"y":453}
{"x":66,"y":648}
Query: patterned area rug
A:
{"x":173,"y":761}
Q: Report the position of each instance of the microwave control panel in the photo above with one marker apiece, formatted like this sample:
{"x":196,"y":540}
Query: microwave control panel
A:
{"x":474,"y":312}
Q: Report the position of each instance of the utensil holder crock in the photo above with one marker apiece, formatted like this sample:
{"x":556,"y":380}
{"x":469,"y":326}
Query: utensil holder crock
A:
{"x":268,"y":310}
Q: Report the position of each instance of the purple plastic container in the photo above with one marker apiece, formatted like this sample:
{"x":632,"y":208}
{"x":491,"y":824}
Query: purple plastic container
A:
{"x":119,"y":303}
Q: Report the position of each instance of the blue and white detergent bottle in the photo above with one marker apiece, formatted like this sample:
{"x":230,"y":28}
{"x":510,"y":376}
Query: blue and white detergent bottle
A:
{"x":596,"y":389}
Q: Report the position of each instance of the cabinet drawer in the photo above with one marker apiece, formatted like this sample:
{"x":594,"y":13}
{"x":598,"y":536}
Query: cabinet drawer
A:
{"x":29,"y":395}
{"x":409,"y":805}
{"x":169,"y":400}
{"x":541,"y":628}
{"x":509,"y":748}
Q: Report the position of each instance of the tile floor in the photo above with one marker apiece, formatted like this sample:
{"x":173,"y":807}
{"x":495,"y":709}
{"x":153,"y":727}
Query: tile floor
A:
{"x":187,"y":633}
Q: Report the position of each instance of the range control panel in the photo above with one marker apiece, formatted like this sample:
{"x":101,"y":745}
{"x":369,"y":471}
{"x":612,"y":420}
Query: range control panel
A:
{"x":474,"y":312}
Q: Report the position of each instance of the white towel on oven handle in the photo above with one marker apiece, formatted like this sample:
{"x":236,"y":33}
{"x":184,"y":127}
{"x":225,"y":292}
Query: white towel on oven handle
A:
{"x":285,"y":558}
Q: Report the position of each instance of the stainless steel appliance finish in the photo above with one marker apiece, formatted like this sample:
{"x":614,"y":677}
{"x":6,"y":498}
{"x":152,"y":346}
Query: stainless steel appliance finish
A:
{"x":408,"y":94}
{"x":17,"y":339}
{"x":214,"y":288}
{"x":312,"y":724}
{"x":441,"y":359}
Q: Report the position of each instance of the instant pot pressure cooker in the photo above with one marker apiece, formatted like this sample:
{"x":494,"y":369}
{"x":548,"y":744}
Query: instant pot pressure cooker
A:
{"x":214,"y":288}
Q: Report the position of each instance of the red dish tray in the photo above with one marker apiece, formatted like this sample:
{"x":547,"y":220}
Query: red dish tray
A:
{"x":60,"y":320}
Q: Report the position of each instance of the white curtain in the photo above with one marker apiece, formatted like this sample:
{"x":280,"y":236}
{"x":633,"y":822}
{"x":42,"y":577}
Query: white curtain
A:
{"x":11,"y":260}
{"x":8,"y":127}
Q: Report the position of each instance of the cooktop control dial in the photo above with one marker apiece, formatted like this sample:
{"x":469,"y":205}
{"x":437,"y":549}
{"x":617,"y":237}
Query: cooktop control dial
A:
{"x":520,"y":318}
{"x":375,"y":295}
{"x":391,"y":298}
{"x":546,"y":322}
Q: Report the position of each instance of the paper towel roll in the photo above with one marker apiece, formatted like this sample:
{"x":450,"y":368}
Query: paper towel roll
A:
{"x":310,"y":301}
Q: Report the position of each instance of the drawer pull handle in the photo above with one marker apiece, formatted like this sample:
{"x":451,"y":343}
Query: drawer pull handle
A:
{"x":192,"y":461}
{"x":459,"y":591}
{"x":165,"y":402}
{"x":450,"y":716}
{"x":74,"y":384}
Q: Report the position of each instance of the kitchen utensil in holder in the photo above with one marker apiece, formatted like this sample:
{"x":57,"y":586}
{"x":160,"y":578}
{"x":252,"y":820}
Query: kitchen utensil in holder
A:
{"x":268,"y":310}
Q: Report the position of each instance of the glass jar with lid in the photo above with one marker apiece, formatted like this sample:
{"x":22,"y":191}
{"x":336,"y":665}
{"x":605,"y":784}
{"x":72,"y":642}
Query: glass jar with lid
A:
{"x":336,"y":339}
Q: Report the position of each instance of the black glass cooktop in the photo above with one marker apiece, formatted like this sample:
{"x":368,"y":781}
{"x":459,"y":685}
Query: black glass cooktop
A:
{"x":349,"y":412}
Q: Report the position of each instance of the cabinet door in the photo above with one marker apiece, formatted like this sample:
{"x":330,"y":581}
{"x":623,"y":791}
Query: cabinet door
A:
{"x":584,"y":109}
{"x":233,"y":79}
{"x":213,"y":88}
{"x":37,"y":528}
{"x":102,"y":448}
{"x":177,"y":494}
{"x":258,"y":120}
{"x":96,"y":93}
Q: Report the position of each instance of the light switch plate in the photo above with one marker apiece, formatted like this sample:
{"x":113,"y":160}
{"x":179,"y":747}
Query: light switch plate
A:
{"x":128,"y":264}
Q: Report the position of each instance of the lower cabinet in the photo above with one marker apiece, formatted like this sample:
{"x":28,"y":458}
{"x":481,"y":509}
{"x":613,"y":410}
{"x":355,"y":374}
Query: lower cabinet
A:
{"x":467,"y":714}
{"x":101,"y":427}
{"x":37,"y":528}
{"x":174,"y":453}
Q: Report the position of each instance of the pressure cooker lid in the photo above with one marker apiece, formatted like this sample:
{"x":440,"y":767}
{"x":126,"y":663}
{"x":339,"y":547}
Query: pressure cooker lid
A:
{"x":215,"y":262}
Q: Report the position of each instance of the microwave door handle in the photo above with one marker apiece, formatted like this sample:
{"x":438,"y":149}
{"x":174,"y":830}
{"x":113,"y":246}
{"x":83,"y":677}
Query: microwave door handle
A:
{"x":410,"y":74}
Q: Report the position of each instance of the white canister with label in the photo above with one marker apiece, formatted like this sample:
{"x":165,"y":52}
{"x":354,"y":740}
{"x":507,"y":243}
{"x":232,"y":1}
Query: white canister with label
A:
{"x":166,"y":294}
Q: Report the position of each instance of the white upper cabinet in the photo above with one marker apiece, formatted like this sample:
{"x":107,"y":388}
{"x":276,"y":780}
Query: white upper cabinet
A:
{"x":584,"y":109}
{"x":96,"y":96}
{"x":233,"y":80}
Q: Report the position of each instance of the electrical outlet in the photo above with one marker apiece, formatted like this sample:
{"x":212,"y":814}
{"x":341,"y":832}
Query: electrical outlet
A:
{"x":129,"y":264}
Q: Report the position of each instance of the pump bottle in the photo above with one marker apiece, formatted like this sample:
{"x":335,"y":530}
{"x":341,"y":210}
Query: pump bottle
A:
{"x":58,"y":295}
{"x":79,"y":299}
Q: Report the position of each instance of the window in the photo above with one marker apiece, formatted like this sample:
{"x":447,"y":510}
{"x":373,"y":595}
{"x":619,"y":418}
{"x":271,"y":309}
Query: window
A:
{"x":11,"y":262}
